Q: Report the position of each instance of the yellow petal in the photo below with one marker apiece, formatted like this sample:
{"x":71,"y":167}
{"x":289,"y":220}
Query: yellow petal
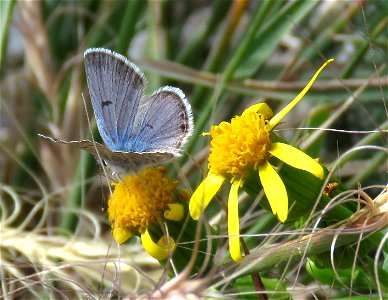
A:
{"x":234,"y":223}
{"x":275,"y":190}
{"x":158,"y":250}
{"x":120,"y":235}
{"x":261,"y":108}
{"x":204,"y":193}
{"x":280,"y":115}
{"x":297,"y":159}
{"x":175,"y":212}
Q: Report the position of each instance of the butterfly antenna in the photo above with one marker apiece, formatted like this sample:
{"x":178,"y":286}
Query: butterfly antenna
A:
{"x":94,"y":143}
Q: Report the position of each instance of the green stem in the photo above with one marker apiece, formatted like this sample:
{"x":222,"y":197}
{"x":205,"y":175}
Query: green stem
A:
{"x":267,"y":257}
{"x":127,"y":29}
{"x":5,"y":22}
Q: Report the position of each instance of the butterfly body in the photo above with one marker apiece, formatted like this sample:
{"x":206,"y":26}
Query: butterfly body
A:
{"x":137,"y":130}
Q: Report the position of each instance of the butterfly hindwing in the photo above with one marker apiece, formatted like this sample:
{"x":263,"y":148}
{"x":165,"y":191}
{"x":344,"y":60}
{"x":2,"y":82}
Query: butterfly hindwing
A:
{"x":164,"y":121}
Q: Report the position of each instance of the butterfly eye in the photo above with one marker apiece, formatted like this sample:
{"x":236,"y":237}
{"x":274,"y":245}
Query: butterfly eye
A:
{"x":104,"y":163}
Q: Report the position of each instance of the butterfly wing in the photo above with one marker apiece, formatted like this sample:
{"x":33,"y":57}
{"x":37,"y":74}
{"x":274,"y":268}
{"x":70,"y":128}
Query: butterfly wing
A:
{"x":115,"y":86}
{"x":136,"y":131}
{"x":164,"y":122}
{"x":120,"y":162}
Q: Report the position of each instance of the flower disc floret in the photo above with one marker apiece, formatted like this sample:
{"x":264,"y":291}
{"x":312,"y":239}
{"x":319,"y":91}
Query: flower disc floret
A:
{"x":140,"y":200}
{"x":242,"y":143}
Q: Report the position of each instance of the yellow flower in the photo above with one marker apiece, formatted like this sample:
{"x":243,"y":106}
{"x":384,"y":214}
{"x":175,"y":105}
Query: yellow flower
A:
{"x":243,"y":145}
{"x":138,"y":203}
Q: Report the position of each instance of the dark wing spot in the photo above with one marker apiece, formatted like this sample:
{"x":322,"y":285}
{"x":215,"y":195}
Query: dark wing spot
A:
{"x":106,"y":103}
{"x":183,"y":126}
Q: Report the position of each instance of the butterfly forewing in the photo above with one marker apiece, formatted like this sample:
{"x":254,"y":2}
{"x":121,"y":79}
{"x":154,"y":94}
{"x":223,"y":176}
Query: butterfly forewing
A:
{"x":164,"y":121}
{"x":115,"y":87}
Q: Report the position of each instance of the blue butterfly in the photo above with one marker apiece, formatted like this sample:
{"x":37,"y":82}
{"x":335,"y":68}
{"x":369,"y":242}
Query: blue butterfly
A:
{"x":137,"y":130}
